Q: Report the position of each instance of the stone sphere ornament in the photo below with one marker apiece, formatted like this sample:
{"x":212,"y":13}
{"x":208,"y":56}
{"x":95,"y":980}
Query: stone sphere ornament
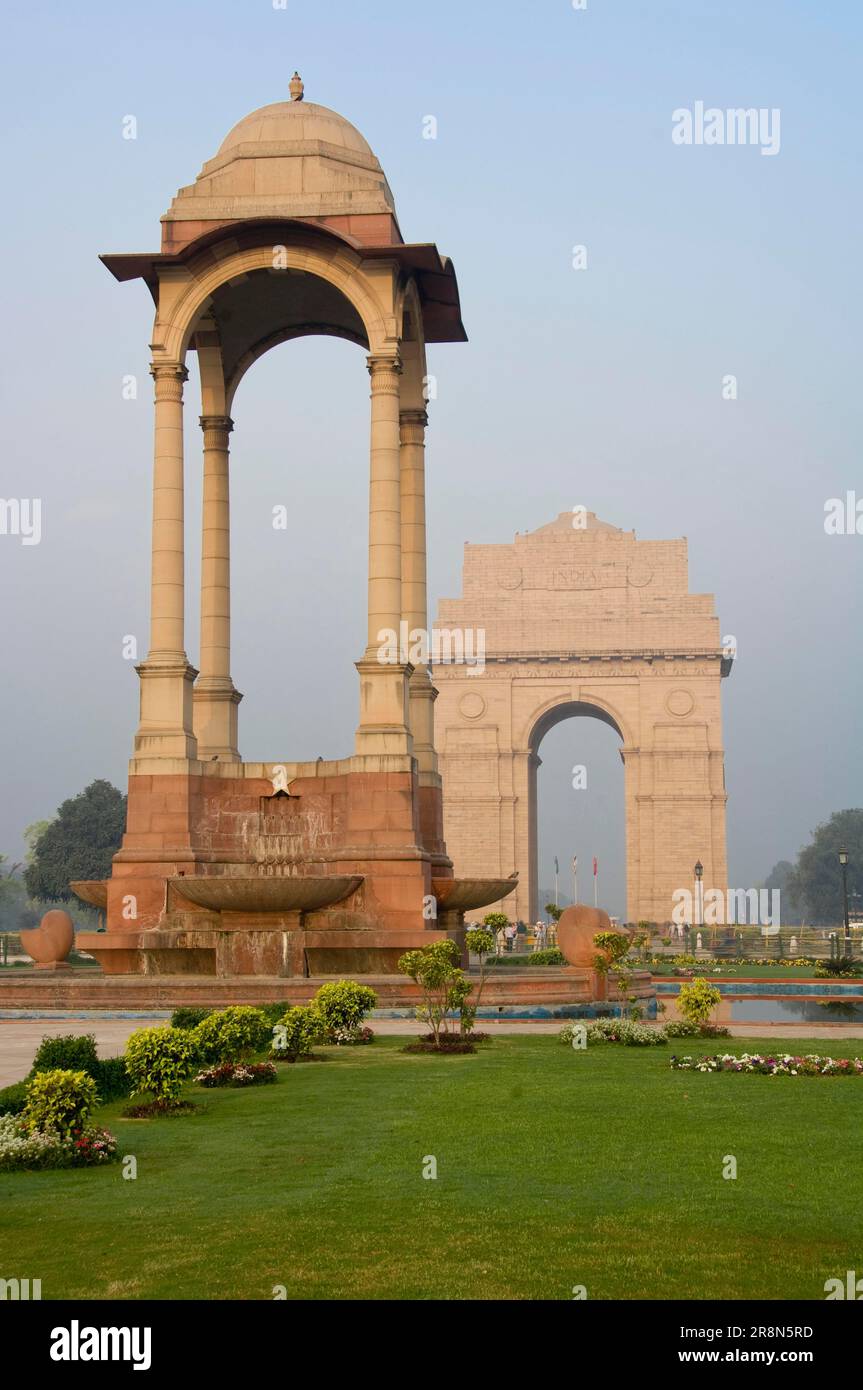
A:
{"x":50,"y":943}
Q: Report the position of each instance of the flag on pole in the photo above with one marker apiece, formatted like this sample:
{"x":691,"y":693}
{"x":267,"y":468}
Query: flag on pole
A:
{"x":556,"y":867}
{"x":595,"y":866}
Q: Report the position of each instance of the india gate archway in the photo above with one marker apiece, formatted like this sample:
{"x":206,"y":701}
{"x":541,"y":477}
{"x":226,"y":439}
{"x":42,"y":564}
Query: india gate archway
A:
{"x":284,"y":868}
{"x":581,"y":618}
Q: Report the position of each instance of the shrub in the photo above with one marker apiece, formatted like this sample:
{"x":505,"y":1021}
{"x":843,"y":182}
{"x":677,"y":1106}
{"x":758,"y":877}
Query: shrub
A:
{"x":231,"y":1034}
{"x":343,"y":1005}
{"x":272,"y":1012}
{"x":59,"y":1101}
{"x":188,"y":1017}
{"x":78,"y":1053}
{"x":68,"y":1053}
{"x":112,"y":1079}
{"x":13,"y":1098}
{"x":697,"y":1000}
{"x":550,"y":956}
{"x":300,"y":1028}
{"x":845,"y":966}
{"x":158,"y":1061}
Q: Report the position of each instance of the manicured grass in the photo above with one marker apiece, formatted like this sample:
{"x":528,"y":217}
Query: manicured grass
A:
{"x":555,"y":1168}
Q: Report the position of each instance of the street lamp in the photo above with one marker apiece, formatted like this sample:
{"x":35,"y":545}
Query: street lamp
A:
{"x":699,"y":874}
{"x":843,"y":860}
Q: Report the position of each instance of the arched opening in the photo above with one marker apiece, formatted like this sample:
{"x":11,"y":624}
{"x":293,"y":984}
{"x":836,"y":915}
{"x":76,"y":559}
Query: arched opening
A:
{"x":299,"y":538}
{"x":577,"y":808}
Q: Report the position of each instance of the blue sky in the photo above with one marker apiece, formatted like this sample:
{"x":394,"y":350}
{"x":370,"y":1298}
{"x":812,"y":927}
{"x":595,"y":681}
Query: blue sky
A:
{"x":601,"y":387}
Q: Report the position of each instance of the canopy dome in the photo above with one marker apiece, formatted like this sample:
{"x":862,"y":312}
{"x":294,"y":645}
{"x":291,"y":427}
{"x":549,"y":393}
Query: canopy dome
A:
{"x":288,"y":159}
{"x":296,"y":121}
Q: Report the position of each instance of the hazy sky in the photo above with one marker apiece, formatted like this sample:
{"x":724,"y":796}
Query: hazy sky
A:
{"x":601,"y":387}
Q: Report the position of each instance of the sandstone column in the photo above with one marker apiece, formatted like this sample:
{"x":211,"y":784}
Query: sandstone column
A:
{"x":165,"y":729}
{"x":216,"y":700}
{"x":413,"y":584}
{"x":384,"y":711}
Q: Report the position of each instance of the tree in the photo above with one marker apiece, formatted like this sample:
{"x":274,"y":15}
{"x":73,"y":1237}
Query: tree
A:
{"x":552,"y":910}
{"x":817,"y":877}
{"x":436,"y":970}
{"x":479,"y":942}
{"x":781,"y":880}
{"x":79,"y":844}
{"x":16,"y":913}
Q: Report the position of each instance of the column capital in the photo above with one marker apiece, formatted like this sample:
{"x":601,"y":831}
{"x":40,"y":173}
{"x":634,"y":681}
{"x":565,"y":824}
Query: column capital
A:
{"x":169,"y":370}
{"x":169,"y":378}
{"x":413,"y":425}
{"x":216,"y":429}
{"x":385,"y":373}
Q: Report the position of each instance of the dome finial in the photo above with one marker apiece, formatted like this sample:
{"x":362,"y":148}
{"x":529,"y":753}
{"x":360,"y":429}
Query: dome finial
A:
{"x":296,"y":87}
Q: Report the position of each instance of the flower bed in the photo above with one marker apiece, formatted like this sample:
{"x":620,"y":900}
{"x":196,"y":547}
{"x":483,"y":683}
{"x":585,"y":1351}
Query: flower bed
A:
{"x":82,"y":1148}
{"x":781,"y":1065}
{"x":615,"y":1030}
{"x":355,"y":1037}
{"x":238,"y":1074}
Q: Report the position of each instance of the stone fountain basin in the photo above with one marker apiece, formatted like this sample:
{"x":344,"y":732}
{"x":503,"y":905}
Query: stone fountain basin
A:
{"x":254,"y":893}
{"x":462,"y":894}
{"x":91,"y":890}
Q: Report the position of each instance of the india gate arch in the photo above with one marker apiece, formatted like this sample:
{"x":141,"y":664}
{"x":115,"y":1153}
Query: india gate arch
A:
{"x":559,"y":712}
{"x":582,"y":617}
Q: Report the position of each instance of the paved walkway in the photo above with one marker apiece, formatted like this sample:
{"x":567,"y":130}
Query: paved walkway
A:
{"x":19,"y":1039}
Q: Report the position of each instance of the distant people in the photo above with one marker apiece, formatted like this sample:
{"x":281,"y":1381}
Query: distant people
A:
{"x":539,"y":937}
{"x":499,"y":941}
{"x":511,"y":933}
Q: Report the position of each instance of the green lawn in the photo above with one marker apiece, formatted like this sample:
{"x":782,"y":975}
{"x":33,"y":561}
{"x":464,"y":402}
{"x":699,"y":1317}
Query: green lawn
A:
{"x":555,"y":1169}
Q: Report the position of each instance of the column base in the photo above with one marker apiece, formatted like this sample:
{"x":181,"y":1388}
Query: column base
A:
{"x":384,"y":709}
{"x":165,"y":729}
{"x":214,"y":711}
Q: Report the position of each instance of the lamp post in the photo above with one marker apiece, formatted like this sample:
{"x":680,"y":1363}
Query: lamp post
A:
{"x":699,"y":874}
{"x":843,"y":860}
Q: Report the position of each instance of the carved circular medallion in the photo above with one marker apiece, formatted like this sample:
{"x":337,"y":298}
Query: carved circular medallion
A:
{"x":680,"y":703}
{"x":471,"y":705}
{"x":510,"y":579}
{"x":637,"y":576}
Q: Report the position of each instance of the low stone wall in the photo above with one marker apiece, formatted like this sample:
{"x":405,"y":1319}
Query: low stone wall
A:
{"x":89,"y":989}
